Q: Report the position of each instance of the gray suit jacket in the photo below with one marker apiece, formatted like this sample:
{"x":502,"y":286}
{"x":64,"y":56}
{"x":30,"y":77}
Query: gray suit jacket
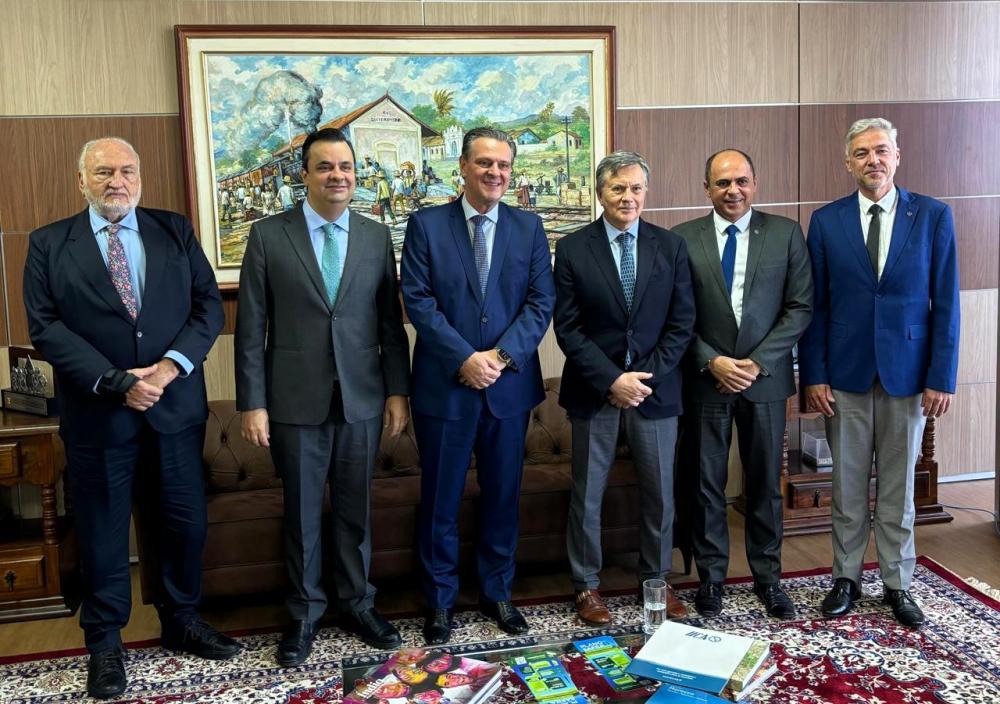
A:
{"x":777,"y":305}
{"x":291,"y":345}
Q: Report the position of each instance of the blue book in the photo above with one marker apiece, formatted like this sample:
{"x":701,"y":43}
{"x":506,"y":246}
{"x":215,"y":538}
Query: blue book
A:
{"x":675,"y":694}
{"x":546,"y":678}
{"x":604,"y":653}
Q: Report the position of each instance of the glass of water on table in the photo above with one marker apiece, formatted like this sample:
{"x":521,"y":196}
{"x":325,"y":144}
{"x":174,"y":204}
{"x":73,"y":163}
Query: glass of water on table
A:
{"x":654,"y":604}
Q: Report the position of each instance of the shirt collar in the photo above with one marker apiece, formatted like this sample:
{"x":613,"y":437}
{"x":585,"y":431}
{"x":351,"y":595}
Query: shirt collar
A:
{"x":315,"y":221}
{"x":98,"y":222}
{"x":471,"y":212}
{"x":887,"y":202}
{"x":613,"y":231}
{"x":743,"y":224}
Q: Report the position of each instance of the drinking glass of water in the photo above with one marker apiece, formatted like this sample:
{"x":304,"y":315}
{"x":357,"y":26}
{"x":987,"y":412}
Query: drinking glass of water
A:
{"x":654,"y":604}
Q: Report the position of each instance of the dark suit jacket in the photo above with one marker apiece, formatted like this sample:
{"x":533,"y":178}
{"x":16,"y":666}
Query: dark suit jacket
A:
{"x":79,"y":324}
{"x":594,"y":329}
{"x":777,"y":305}
{"x":453,"y":319}
{"x":291,"y":345}
{"x":903,"y":327}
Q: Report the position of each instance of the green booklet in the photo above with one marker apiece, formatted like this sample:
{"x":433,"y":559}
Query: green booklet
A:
{"x":546,"y":678}
{"x":610,"y":660}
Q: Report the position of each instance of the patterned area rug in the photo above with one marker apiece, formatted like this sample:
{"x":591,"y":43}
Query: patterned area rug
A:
{"x":865,"y":657}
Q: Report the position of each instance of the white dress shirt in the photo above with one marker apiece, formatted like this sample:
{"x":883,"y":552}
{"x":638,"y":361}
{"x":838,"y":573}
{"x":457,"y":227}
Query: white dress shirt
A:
{"x":742,"y":250}
{"x":888,"y":214}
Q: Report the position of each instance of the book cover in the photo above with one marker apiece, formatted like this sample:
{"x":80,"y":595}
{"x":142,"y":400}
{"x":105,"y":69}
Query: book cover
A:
{"x":610,"y":660}
{"x":748,"y":666}
{"x":546,"y":678}
{"x":424,"y":676}
{"x":763,"y":674}
{"x":691,"y":657}
{"x":675,"y":694}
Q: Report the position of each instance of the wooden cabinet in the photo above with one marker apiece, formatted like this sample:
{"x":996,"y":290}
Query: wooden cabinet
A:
{"x":807,"y":492}
{"x":37,"y":556}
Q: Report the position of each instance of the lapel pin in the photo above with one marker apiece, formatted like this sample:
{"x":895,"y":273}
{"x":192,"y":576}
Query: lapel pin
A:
{"x":909,"y":213}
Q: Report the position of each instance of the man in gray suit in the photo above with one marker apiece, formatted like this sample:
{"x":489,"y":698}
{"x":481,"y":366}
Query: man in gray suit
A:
{"x":753,"y":297}
{"x":322,"y":367}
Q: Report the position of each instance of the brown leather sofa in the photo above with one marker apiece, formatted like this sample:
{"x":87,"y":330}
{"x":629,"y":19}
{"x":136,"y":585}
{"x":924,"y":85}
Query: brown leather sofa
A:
{"x":243,"y":552}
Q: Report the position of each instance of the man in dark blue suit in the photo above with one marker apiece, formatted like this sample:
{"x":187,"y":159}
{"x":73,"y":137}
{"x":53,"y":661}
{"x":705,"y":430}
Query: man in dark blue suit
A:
{"x":624,"y":317}
{"x":477,"y":285}
{"x":880,"y":356}
{"x":123,"y":304}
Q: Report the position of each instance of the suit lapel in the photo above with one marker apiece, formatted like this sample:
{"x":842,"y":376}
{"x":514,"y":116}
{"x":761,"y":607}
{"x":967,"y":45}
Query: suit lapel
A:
{"x":756,"y":236}
{"x":359,"y":239}
{"x":902,"y":226}
{"x":710,"y":252}
{"x":154,"y":243}
{"x":87,"y":255}
{"x":502,"y":235}
{"x":460,"y":233}
{"x":297,"y":233}
{"x":601,"y":251}
{"x":647,"y":250}
{"x":850,"y":219}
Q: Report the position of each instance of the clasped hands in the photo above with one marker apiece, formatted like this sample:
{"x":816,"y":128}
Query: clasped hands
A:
{"x":733,"y":375}
{"x":152,"y":381}
{"x":481,"y":369}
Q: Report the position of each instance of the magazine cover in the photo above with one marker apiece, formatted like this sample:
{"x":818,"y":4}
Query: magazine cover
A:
{"x":546,"y":678}
{"x":606,"y":655}
{"x":424,"y":676}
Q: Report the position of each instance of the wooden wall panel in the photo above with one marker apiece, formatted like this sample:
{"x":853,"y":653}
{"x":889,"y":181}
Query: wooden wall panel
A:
{"x":117,"y":56}
{"x":220,"y":370}
{"x":977,"y":350}
{"x":671,"y":53}
{"x":965,"y":434}
{"x":677,"y":143}
{"x":977,"y":230}
{"x":672,"y":218}
{"x":4,"y":340}
{"x":46,"y":188}
{"x":15,"y":252}
{"x":899,"y":51}
{"x":946,"y":149}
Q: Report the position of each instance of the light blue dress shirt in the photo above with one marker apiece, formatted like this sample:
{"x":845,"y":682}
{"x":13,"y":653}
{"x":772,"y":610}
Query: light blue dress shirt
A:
{"x":135,"y":255}
{"x":489,"y":226}
{"x":317,"y":236}
{"x":616,"y":249}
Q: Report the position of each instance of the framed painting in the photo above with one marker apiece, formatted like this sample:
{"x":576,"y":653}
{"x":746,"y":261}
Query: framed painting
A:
{"x":405,"y":96}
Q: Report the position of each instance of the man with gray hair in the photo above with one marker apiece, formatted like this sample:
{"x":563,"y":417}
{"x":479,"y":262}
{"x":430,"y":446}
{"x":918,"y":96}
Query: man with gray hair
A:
{"x":880,"y":357}
{"x":477,"y":285}
{"x":123,"y":304}
{"x":624,"y":315}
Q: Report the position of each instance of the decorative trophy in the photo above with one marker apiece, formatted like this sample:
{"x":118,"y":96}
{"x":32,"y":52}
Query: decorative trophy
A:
{"x":32,"y":384}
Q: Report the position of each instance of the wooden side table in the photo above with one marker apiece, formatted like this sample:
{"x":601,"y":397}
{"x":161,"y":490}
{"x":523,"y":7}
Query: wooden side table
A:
{"x":37,"y":556}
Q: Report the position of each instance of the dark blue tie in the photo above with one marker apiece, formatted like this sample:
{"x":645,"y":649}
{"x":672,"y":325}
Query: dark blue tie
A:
{"x":729,"y":257}
{"x":479,"y":250}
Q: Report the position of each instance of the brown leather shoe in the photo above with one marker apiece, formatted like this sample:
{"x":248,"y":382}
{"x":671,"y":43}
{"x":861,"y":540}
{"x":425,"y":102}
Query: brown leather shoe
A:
{"x":675,"y":608}
{"x":591,"y":609}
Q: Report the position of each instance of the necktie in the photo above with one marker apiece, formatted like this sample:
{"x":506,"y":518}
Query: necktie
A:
{"x":874,"y":233}
{"x":479,"y":250}
{"x":627,"y":274}
{"x":330,"y":266}
{"x":729,"y":257}
{"x":118,"y":268}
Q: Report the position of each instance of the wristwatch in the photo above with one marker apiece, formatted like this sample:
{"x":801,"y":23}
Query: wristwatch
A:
{"x":504,"y":357}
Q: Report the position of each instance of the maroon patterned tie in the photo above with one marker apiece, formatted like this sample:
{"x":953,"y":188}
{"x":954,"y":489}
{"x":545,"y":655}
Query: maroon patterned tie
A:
{"x":118,"y":268}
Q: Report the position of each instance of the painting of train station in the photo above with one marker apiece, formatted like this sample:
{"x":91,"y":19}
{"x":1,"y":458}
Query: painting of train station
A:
{"x":407,"y":139}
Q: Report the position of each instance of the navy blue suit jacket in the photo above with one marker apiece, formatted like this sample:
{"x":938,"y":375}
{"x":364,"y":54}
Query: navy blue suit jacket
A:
{"x":595,"y":329}
{"x":453,"y":319}
{"x":79,"y":324}
{"x":903,"y":327}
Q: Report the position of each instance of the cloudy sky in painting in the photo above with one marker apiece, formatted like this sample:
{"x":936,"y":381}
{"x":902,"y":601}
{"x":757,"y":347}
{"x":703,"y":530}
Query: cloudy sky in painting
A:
{"x":502,"y":88}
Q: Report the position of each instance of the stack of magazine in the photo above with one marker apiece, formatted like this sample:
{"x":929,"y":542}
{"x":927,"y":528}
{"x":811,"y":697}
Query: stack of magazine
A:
{"x":424,"y":676}
{"x":700,"y":665}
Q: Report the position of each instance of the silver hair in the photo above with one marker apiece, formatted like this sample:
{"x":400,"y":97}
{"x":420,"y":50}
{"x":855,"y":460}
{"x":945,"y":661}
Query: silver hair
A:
{"x":92,"y":143}
{"x":487,"y":133}
{"x":616,"y":161}
{"x":869,"y":123}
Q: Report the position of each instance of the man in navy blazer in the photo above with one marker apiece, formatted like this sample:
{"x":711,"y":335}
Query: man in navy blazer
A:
{"x":477,"y":285}
{"x":624,"y":317}
{"x":880,"y":356}
{"x":123,"y":304}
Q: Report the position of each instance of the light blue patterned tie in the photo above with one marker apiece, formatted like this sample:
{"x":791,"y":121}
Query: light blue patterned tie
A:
{"x":729,"y":257}
{"x":330,"y":265}
{"x":479,"y":250}
{"x":121,"y":277}
{"x":628,"y":279}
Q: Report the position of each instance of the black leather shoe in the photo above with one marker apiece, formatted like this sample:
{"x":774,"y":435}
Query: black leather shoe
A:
{"x":437,"y":626}
{"x":904,"y":608}
{"x":372,"y":628}
{"x":776,"y":600}
{"x":296,"y":643}
{"x":708,"y":600}
{"x":199,"y":639}
{"x":106,"y":673}
{"x":840,"y":600}
{"x":506,"y":615}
